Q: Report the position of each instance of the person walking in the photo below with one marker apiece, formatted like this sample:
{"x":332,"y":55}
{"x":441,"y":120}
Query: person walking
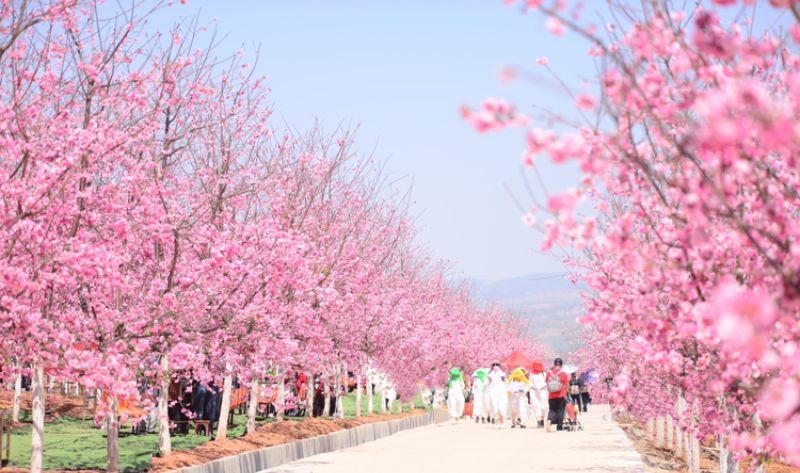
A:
{"x":518,"y":388}
{"x":498,"y":397}
{"x":538,"y":393}
{"x":574,"y":393}
{"x":584,"y":396}
{"x":455,"y":394}
{"x":480,"y":385}
{"x":557,"y":384}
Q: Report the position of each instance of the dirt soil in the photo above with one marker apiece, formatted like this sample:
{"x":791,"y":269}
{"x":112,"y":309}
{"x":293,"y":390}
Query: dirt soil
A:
{"x":661,"y":460}
{"x":268,"y":435}
{"x":56,"y":405}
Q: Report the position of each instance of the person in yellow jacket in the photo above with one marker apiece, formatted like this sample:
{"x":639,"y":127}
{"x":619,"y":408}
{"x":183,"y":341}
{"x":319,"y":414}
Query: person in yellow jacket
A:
{"x":518,"y":387}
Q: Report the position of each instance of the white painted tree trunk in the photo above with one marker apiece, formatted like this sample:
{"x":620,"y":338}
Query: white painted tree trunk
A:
{"x":650,"y":428}
{"x":326,"y":405}
{"x":227,"y":388}
{"x":37,"y":439}
{"x":695,"y":458}
{"x":340,"y":392}
{"x":670,"y":432}
{"x":358,"y":396}
{"x":164,"y":440}
{"x":687,"y":450}
{"x":727,"y":462}
{"x":17,"y":398}
{"x":281,"y":407}
{"x":370,"y":397}
{"x":660,"y":439}
{"x":310,"y":393}
{"x":680,"y":435}
{"x":112,"y":437}
{"x":252,"y":408}
{"x":383,"y":399}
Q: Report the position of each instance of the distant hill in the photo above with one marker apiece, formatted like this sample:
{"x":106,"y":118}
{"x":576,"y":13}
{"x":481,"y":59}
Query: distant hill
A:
{"x":549,"y":301}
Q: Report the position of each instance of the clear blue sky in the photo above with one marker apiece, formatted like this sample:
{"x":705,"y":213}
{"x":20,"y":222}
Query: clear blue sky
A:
{"x":401,"y":69}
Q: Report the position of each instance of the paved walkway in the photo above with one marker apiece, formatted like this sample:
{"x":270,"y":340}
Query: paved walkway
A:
{"x":466,"y":447}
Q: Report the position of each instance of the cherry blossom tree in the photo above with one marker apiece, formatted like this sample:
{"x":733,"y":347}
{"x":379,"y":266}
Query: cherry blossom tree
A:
{"x":686,"y":144}
{"x":155,"y":226}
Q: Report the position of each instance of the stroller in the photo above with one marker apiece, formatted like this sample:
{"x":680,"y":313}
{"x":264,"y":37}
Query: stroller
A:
{"x":571,"y":422}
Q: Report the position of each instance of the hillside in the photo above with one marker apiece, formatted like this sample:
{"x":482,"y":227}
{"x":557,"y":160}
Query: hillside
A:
{"x":549,"y":301}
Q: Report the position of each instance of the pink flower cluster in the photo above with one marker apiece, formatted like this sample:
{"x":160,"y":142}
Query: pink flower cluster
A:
{"x":691,"y":251}
{"x":154,"y":225}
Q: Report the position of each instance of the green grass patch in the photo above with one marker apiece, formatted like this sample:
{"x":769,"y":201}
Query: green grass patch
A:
{"x":349,"y":405}
{"x":77,"y":444}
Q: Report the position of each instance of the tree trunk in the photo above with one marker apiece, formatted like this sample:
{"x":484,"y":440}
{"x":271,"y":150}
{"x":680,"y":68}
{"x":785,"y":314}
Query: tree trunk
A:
{"x":695,"y":457}
{"x":694,"y":446}
{"x":687,"y":450}
{"x":650,"y":427}
{"x":253,"y":406}
{"x":227,"y":387}
{"x":112,"y":436}
{"x":164,"y":440}
{"x":281,"y":407}
{"x":310,"y":393}
{"x":660,"y":438}
{"x":340,"y":392}
{"x":680,"y":435}
{"x":358,"y":397}
{"x":383,"y":397}
{"x":727,"y":463}
{"x":670,"y":431}
{"x":370,"y":396}
{"x":326,"y":406}
{"x":17,"y":398}
{"x":37,"y":439}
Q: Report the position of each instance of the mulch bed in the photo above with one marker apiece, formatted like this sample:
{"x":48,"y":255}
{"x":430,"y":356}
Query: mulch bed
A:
{"x":267,"y":435}
{"x":662,"y":460}
{"x":56,"y":405}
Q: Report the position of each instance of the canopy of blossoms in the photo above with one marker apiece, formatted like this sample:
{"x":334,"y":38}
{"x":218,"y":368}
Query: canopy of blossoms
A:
{"x":686,"y":222}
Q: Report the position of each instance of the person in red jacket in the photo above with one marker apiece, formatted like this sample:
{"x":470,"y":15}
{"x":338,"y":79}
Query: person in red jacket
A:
{"x":557,"y":384}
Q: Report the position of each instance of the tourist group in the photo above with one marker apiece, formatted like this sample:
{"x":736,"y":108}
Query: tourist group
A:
{"x":553,"y":398}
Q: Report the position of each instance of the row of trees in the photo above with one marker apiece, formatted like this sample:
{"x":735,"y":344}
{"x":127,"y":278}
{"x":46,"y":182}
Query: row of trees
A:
{"x":154,"y":224}
{"x":686,"y":224}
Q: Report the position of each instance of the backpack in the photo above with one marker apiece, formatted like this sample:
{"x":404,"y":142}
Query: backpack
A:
{"x":554,"y":384}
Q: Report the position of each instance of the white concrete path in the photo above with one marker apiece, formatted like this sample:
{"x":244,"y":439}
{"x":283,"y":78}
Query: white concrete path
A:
{"x":602,"y":447}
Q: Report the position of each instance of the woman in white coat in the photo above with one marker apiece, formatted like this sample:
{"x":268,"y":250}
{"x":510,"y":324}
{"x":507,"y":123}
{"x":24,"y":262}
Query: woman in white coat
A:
{"x":480,"y":385}
{"x":497,"y":399}
{"x":455,"y":394}
{"x":518,"y":389}
{"x":538,"y":393}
